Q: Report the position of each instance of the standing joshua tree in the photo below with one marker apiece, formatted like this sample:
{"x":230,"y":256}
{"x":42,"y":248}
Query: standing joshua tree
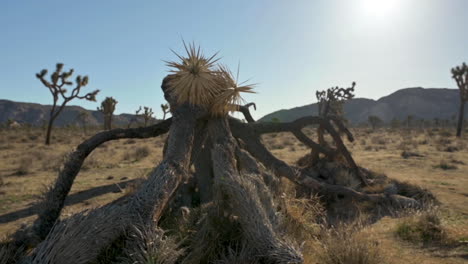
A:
{"x":460,"y":74}
{"x":107,"y":108}
{"x":330,"y":104}
{"x":56,"y":86}
{"x":374,"y":121}
{"x":165,"y":109}
{"x":147,"y":114}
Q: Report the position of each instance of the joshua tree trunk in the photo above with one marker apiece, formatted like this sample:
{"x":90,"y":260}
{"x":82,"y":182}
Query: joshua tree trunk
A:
{"x":460,"y":118}
{"x":49,"y":130}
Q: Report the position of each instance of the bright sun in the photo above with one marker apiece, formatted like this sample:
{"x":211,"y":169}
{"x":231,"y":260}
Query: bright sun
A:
{"x":380,"y":9}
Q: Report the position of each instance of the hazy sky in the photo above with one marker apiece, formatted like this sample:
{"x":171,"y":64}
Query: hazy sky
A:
{"x":290,"y":48}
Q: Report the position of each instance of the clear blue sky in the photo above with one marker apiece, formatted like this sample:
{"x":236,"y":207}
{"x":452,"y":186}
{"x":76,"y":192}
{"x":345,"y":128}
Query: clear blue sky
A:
{"x":290,"y":48}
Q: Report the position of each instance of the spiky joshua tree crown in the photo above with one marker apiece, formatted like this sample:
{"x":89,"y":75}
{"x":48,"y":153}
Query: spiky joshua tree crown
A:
{"x":200,"y":80}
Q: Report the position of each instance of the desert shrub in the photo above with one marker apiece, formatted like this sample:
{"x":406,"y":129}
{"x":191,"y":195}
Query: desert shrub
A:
{"x":444,"y":165}
{"x":343,"y":244}
{"x":288,"y":142}
{"x":451,"y":149}
{"x":444,"y":141}
{"x":379,"y":140}
{"x":302,"y":217}
{"x":90,"y":162}
{"x":407,"y":154}
{"x":424,"y":196}
{"x":237,"y":254}
{"x":423,"y":142}
{"x":424,"y":227}
{"x":137,"y":154}
{"x":24,"y":166}
{"x":445,"y":133}
{"x":277,"y":145}
{"x":33,"y":137}
{"x":368,"y":148}
{"x":52,"y":162}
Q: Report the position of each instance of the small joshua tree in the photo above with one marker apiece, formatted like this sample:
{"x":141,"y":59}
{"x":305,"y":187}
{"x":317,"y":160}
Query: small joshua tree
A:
{"x":374,"y":121}
{"x":165,"y":109}
{"x":83,"y":118}
{"x":460,"y":74}
{"x":147,"y":114}
{"x":330,"y":104}
{"x":107,"y":108}
{"x":409,"y":121}
{"x":56,"y":85}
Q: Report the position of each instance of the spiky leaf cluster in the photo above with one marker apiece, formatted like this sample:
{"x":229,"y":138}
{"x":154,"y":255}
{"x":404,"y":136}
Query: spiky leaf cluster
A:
{"x":331,"y":100}
{"x":60,"y":79}
{"x":199,"y":80}
{"x":230,"y":97}
{"x":460,"y":74}
{"x":108,"y":106}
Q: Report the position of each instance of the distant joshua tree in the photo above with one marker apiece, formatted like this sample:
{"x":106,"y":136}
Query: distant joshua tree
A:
{"x":147,"y":114}
{"x":83,"y":118}
{"x":107,"y":108}
{"x":409,"y":121}
{"x":374,"y":121}
{"x":165,"y":108}
{"x":460,"y":74}
{"x":56,"y":86}
{"x":330,"y":104}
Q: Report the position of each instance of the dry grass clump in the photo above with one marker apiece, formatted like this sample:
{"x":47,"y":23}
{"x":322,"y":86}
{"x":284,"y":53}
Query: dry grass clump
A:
{"x":302,"y":217}
{"x":150,"y":245}
{"x":344,"y":245}
{"x":24,"y":166}
{"x":424,"y":196}
{"x":9,"y":253}
{"x":408,"y":154}
{"x":445,"y":165}
{"x":423,"y":227}
{"x":90,"y":162}
{"x":378,"y":140}
{"x":137,"y":154}
{"x":238,"y":254}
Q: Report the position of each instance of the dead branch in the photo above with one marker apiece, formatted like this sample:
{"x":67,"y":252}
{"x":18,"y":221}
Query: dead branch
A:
{"x":55,"y":198}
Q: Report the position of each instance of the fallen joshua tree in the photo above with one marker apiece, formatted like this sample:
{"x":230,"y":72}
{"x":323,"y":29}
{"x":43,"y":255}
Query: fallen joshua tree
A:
{"x":215,"y":172}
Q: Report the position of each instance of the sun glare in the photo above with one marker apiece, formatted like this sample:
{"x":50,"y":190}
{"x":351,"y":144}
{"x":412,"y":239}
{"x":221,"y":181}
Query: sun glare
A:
{"x":380,"y":9}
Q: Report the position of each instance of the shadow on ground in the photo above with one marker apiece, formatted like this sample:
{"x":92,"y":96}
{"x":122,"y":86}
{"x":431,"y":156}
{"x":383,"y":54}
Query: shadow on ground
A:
{"x":71,"y":199}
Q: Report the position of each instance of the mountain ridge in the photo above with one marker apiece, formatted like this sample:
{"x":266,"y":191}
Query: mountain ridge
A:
{"x":422,"y":103}
{"x":37,"y":114}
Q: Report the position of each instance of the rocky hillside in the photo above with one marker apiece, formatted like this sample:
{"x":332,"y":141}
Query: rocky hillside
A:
{"x":419,"y":102}
{"x":37,"y":114}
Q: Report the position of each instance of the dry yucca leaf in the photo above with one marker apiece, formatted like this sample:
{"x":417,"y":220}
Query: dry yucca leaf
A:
{"x":194,"y":79}
{"x":229,"y":98}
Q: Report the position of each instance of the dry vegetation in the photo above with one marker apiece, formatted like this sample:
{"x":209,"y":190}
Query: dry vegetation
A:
{"x":428,"y":158}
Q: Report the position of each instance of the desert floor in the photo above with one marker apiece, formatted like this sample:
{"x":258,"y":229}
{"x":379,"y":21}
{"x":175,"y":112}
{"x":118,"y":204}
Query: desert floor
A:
{"x":27,"y":167}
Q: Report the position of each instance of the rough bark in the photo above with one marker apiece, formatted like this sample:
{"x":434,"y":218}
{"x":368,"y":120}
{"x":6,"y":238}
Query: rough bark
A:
{"x":55,"y":198}
{"x":243,"y":195}
{"x":70,"y":240}
{"x":306,"y":178}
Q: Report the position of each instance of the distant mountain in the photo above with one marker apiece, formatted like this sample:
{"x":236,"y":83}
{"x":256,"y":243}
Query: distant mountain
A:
{"x":419,"y":102}
{"x":37,"y":114}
